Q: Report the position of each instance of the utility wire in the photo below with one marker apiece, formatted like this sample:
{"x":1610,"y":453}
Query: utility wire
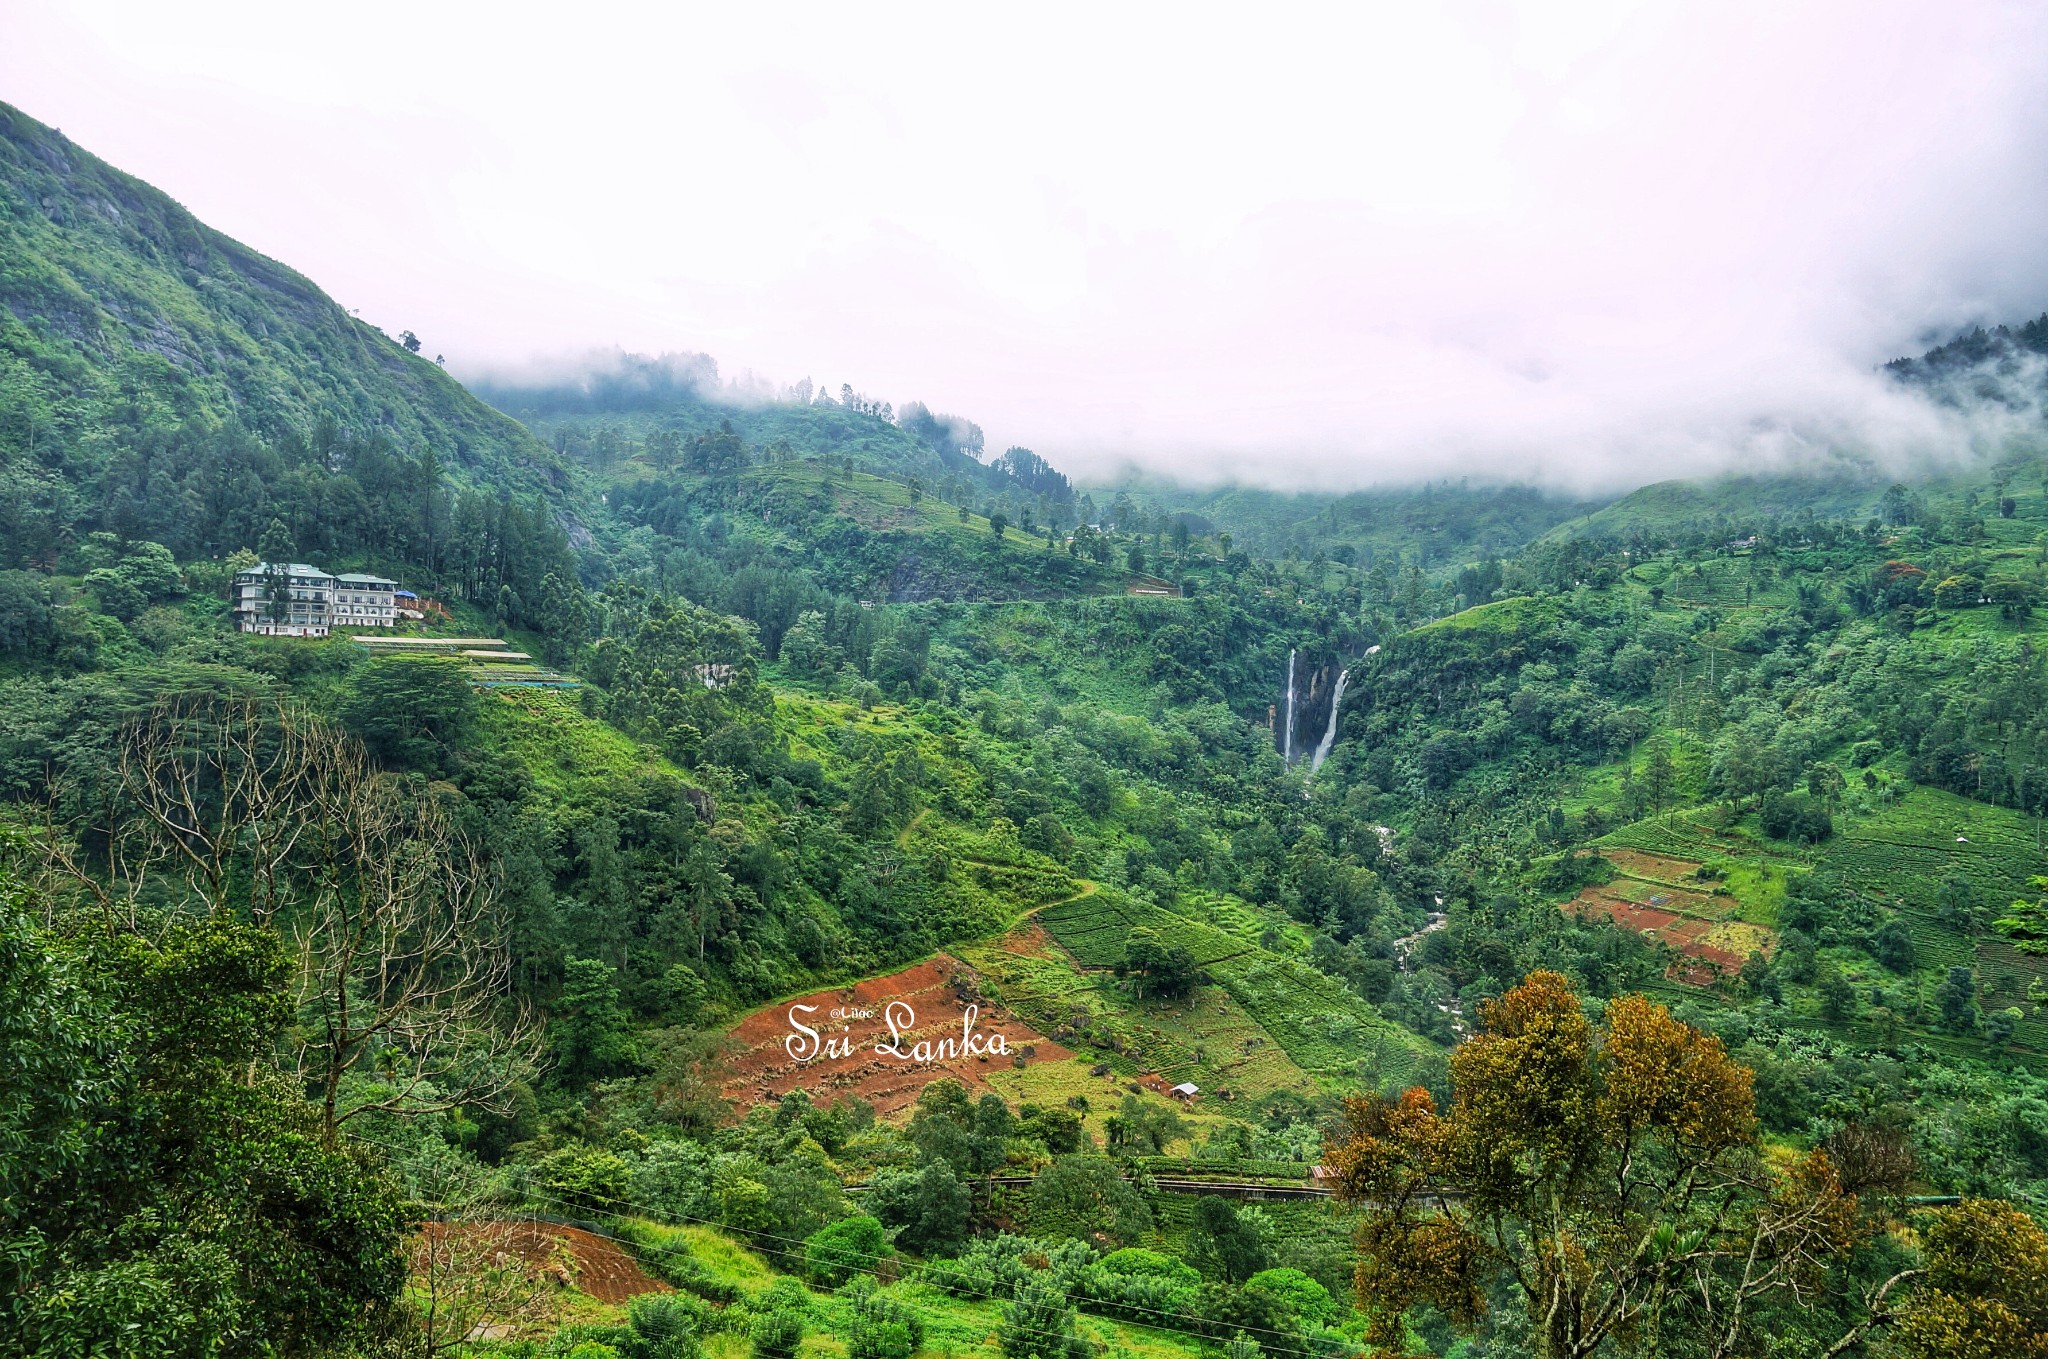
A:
{"x":1072,"y":1299}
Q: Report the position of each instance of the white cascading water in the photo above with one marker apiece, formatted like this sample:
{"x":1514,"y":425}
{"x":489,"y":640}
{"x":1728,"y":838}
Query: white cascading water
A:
{"x":1287,"y":738}
{"x":1330,"y":732}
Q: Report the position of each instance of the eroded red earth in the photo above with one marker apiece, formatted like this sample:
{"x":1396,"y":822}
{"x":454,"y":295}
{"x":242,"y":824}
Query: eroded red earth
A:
{"x":570,"y":1256}
{"x":1695,"y":923}
{"x":764,"y":1055}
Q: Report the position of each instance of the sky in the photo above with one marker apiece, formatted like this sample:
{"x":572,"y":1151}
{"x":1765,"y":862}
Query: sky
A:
{"x":1594,"y":244}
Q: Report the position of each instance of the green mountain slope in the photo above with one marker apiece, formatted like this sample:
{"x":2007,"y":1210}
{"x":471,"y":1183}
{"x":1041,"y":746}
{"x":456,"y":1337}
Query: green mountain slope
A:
{"x":848,"y":695}
{"x":611,"y":417}
{"x":123,"y":319}
{"x":1737,"y":504}
{"x":1430,"y":525}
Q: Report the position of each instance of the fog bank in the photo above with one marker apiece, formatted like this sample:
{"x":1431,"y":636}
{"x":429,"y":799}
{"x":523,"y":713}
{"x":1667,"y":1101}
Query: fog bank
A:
{"x":1591,"y":245}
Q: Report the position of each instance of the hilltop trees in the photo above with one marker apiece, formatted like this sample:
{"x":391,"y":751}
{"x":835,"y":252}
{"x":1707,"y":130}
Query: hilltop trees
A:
{"x":1157,"y":970}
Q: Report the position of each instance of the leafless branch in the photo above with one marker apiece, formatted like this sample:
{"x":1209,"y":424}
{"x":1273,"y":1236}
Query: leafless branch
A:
{"x":255,"y":809}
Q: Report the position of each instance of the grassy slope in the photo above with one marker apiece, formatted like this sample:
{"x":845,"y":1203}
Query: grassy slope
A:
{"x":1744,"y":502}
{"x":809,"y":488}
{"x":1321,"y":1027}
{"x":1897,"y":853}
{"x":954,"y":1326}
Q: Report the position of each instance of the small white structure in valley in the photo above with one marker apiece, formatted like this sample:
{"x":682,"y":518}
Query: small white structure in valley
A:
{"x":1186,"y":1090}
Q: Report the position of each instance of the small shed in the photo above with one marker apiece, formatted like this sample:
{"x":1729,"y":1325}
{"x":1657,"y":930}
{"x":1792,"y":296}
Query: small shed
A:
{"x":1186,"y":1090}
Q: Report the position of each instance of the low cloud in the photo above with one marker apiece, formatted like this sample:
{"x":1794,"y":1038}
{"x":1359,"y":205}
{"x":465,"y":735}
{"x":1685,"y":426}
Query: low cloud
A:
{"x":1592,"y":245}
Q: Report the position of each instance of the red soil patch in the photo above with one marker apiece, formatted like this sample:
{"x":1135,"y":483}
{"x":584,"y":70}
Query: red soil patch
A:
{"x":1699,"y":963}
{"x":1030,"y":940}
{"x":938,"y":991}
{"x":575,"y":1258}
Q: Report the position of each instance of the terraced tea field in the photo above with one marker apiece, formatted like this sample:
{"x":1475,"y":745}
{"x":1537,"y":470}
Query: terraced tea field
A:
{"x":1207,"y":1038}
{"x":1905,"y":856}
{"x":1907,"y":853}
{"x":1323,"y":1028}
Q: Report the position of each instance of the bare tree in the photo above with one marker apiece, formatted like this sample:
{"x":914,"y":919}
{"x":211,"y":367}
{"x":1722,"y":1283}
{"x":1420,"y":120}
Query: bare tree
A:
{"x":471,"y":1281}
{"x":256,"y":809}
{"x":203,"y":808}
{"x":403,"y":970}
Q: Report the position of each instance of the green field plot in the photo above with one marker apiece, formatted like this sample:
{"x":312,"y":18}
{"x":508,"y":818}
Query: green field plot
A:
{"x":1902,"y":853}
{"x":1932,"y":844}
{"x":1205,"y":1037}
{"x":1324,"y":1026}
{"x":953,"y":1326}
{"x":1685,"y":834}
{"x":1724,"y":582}
{"x":1262,"y":1006}
{"x":1094,"y":929}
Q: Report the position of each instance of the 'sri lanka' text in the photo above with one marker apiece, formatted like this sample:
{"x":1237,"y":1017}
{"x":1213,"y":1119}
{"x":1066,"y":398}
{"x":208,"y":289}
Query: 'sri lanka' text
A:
{"x":807,"y":1044}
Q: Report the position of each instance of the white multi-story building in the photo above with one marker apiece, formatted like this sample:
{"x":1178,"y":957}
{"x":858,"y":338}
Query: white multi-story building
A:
{"x":362,"y":601}
{"x":293,"y":599}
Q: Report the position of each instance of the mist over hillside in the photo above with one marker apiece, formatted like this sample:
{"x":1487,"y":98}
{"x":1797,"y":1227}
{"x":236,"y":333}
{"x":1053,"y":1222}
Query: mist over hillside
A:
{"x":1972,"y":402}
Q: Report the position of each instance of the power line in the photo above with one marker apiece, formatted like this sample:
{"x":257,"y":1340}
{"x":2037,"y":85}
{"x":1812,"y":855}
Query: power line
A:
{"x":595,"y":1229}
{"x":1072,"y":1299}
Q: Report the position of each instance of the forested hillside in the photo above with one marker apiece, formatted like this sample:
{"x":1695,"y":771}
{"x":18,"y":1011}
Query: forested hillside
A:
{"x":431,"y":998}
{"x":167,"y":384}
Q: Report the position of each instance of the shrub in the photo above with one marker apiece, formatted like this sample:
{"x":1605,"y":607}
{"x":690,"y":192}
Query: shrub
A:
{"x":1038,"y":1323}
{"x":777,"y":1327}
{"x":776,"y":1335}
{"x":994,"y":1266}
{"x":585,"y":1178}
{"x":1139,"y":1285}
{"x":1296,"y":1293}
{"x":854,"y":1245}
{"x":664,"y":1327}
{"x":1087,"y":1196}
{"x":589,"y":1342}
{"x":882,"y":1328}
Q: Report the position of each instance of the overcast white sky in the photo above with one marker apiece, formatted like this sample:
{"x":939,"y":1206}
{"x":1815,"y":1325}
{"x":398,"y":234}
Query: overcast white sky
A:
{"x":1342,"y":244}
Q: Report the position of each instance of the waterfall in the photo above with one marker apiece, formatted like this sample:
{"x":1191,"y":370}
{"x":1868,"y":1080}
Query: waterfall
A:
{"x":1330,"y":732}
{"x":1287,"y":738}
